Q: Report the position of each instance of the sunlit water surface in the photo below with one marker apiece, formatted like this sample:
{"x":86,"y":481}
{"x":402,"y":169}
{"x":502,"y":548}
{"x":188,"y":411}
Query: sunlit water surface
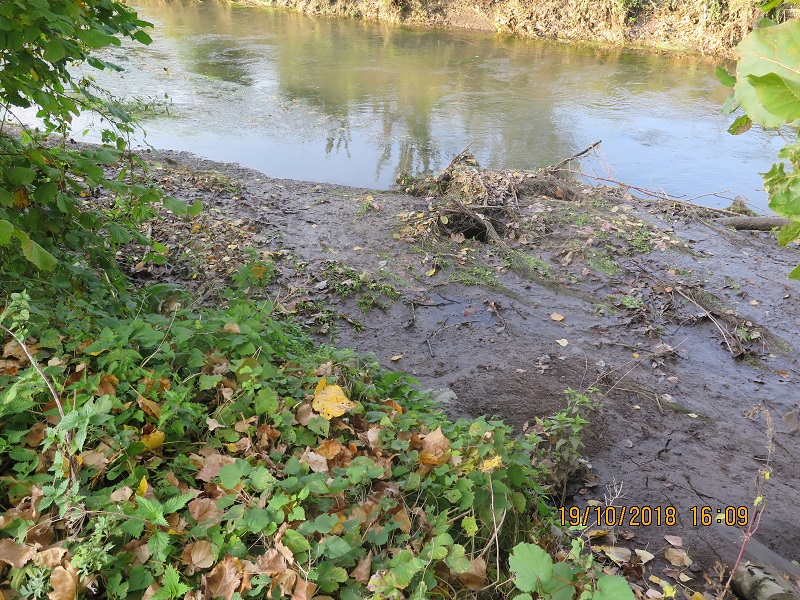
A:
{"x":343,"y":101}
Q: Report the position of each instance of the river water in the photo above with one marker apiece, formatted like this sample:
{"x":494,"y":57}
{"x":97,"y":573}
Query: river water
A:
{"x":343,"y":101}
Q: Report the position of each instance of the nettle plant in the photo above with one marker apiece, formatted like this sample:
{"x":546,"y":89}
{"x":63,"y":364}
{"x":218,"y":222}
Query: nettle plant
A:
{"x":767,"y":88}
{"x":44,"y":181}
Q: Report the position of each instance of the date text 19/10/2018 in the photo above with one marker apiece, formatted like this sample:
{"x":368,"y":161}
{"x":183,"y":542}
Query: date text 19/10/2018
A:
{"x":652,"y":516}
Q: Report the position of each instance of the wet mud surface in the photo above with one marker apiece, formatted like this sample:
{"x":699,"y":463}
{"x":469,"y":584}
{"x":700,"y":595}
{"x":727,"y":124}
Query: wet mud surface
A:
{"x":682,"y":333}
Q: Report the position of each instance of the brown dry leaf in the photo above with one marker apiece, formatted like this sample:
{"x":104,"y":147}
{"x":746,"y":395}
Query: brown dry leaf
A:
{"x":304,"y":590}
{"x":476,"y":578}
{"x":150,"y":408}
{"x":154,"y":439}
{"x":317,"y":462}
{"x":107,"y":386}
{"x":231,"y":328}
{"x":36,"y":434}
{"x":330,"y":401}
{"x":644,"y":556}
{"x":13,"y":554}
{"x":15,"y":350}
{"x":428,"y":458}
{"x":618,"y":554}
{"x":199,"y":554}
{"x":271,"y":563}
{"x":213,"y":424}
{"x":363,"y":569}
{"x":373,"y":436}
{"x":94,"y":458}
{"x":674,"y":540}
{"x":556,"y":316}
{"x":285,"y":581}
{"x":223,"y":580}
{"x":329,"y":449}
{"x":64,"y":584}
{"x":436,"y":443}
{"x":121,"y":495}
{"x":9,"y":367}
{"x":211,"y":466}
{"x":204,"y":510}
{"x":50,"y":558}
{"x":678,"y":557}
{"x":401,"y":516}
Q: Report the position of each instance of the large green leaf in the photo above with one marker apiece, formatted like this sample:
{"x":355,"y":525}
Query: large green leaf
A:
{"x":6,"y":229}
{"x":778,"y":95}
{"x":38,"y":255}
{"x":532,"y":566}
{"x":612,"y":587}
{"x":769,"y":50}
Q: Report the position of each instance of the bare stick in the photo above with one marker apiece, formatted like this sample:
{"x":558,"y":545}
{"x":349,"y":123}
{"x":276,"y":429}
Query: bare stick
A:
{"x":558,"y":165}
{"x":38,"y":370}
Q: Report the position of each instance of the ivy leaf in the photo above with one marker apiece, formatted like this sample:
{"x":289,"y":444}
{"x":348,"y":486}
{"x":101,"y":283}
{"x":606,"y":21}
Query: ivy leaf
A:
{"x":533,"y":567}
{"x":770,"y":50}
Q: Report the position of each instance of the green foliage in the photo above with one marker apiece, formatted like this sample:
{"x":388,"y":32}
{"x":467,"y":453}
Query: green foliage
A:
{"x":198,"y":430}
{"x":46,"y":184}
{"x":767,"y":88}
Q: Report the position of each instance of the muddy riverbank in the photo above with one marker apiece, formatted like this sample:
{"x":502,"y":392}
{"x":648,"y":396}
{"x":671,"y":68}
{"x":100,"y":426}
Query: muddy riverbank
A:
{"x":686,"y":330}
{"x":713,"y":28}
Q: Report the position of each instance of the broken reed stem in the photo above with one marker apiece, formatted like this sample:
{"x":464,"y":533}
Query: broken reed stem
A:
{"x":560,"y":164}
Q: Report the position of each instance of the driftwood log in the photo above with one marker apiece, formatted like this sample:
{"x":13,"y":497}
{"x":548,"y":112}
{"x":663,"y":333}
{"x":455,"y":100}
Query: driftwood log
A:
{"x":753,"y":223}
{"x":756,"y":582}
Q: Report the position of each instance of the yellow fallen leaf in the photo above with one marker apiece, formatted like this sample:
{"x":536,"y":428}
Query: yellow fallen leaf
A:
{"x":431,"y":272}
{"x":357,"y":248}
{"x":330,"y":401}
{"x":644,"y":555}
{"x":490,"y":464}
{"x":691,"y":415}
{"x":556,"y":316}
{"x":141,"y":490}
{"x":562,"y":342}
{"x":635,"y":355}
{"x":154,"y":440}
{"x":396,"y":357}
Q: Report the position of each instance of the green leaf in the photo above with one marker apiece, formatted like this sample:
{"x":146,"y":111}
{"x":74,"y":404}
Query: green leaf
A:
{"x":38,"y":255}
{"x":151,"y":510}
{"x":612,"y":587}
{"x":97,"y":39}
{"x":141,"y":36}
{"x":6,"y":229}
{"x":334,"y":547}
{"x":778,"y":95}
{"x":789,"y":233}
{"x":295,"y":542}
{"x":768,"y":6}
{"x":457,"y":559}
{"x":178,"y":207}
{"x":532,"y":566}
{"x":740,"y":125}
{"x":231,"y":475}
{"x":561,"y":586}
{"x":724,"y":77}
{"x":20,"y":175}
{"x":158,"y":544}
{"x":196,"y":208}
{"x":770,"y":50}
{"x":176,"y":503}
{"x":795,"y":273}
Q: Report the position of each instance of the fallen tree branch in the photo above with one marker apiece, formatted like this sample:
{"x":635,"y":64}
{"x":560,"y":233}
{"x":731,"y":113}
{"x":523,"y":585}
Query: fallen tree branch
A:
{"x":445,"y":174}
{"x":753,"y":223}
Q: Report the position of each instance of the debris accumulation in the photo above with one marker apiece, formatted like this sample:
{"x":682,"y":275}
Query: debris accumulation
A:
{"x":508,"y":287}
